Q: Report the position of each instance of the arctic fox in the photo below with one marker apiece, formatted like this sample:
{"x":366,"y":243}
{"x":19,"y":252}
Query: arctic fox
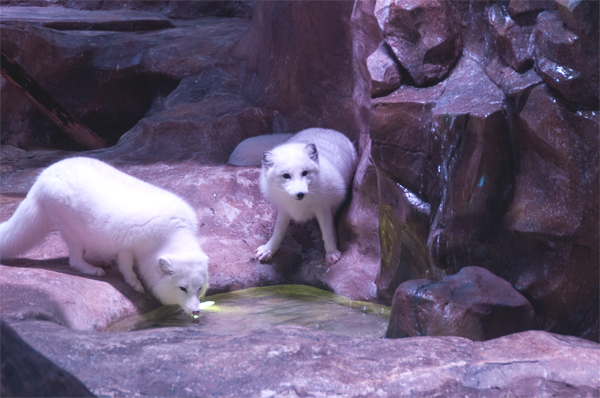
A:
{"x":105,"y":214}
{"x":306,"y":176}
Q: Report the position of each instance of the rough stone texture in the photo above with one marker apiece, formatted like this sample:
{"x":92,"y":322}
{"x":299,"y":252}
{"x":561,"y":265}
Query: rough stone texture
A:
{"x":403,"y":232}
{"x":27,"y":373}
{"x":303,"y":69}
{"x":567,"y":62}
{"x":488,"y":147}
{"x":501,"y":157}
{"x":474,"y":165}
{"x":515,"y":43}
{"x":112,"y":79}
{"x":294,"y":361}
{"x":422,"y":35}
{"x":474,"y":303}
{"x":385,"y":73}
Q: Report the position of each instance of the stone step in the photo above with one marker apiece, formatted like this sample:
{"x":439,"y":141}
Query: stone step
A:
{"x":61,"y":18}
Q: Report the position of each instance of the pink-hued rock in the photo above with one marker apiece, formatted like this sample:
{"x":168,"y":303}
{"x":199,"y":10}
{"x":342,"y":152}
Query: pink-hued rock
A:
{"x":297,"y":361}
{"x":385,"y":74}
{"x":515,"y":43}
{"x":298,"y":59}
{"x":474,"y":164}
{"x":423,"y":36}
{"x":474,"y":303}
{"x":403,"y":231}
{"x":580,"y":16}
{"x":567,"y":62}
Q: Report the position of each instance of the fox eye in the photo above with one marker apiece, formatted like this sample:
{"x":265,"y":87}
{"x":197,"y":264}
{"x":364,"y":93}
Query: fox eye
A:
{"x":183,"y":289}
{"x":304,"y":173}
{"x":287,"y":176}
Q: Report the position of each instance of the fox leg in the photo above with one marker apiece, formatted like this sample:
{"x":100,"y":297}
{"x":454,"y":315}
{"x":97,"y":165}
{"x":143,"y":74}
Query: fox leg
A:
{"x":266,"y":251}
{"x":125,"y":264}
{"x":77,"y":261}
{"x":325,"y":219}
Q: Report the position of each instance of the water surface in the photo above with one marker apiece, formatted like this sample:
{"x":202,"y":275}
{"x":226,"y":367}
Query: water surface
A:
{"x":259,"y":308}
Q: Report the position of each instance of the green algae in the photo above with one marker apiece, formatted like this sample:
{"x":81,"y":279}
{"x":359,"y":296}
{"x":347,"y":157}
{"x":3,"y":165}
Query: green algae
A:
{"x":259,"y":308}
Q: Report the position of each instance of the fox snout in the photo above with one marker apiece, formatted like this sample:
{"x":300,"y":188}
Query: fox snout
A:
{"x":300,"y":195}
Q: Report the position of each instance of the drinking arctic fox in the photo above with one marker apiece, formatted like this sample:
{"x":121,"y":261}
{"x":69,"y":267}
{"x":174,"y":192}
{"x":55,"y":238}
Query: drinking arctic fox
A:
{"x":306,"y":176}
{"x":104,"y":214}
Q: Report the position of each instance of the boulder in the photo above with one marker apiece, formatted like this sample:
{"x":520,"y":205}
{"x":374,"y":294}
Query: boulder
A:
{"x":297,"y":58}
{"x":27,"y":373}
{"x":568,"y":63}
{"x":423,"y":36}
{"x":473,"y":303}
{"x":515,"y":43}
{"x":108,"y":79}
{"x":401,"y":125}
{"x":474,"y":164}
{"x":292,"y":361}
{"x":385,"y":73}
{"x":403,"y":231}
{"x":579,"y":15}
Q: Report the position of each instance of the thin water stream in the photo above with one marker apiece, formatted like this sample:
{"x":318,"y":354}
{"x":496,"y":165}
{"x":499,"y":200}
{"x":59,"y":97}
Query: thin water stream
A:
{"x":259,"y":308}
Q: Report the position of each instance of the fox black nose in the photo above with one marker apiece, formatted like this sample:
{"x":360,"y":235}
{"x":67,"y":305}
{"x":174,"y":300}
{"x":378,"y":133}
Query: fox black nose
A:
{"x":299,"y":195}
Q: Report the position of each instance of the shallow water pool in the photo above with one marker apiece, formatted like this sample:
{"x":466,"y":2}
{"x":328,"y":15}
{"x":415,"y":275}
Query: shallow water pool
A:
{"x":261,"y":307}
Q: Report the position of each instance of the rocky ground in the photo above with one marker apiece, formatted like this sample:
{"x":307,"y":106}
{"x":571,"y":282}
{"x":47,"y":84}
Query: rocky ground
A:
{"x":479,"y":152}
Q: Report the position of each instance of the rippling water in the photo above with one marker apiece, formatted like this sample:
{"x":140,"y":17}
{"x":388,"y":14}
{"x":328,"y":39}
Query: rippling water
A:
{"x":259,"y":308}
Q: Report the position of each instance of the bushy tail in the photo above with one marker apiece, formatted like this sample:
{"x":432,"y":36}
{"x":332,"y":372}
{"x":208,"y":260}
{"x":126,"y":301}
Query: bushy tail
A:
{"x":26,"y":228}
{"x":250,"y":151}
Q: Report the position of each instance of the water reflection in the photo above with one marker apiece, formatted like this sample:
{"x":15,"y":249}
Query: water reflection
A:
{"x":259,"y":308}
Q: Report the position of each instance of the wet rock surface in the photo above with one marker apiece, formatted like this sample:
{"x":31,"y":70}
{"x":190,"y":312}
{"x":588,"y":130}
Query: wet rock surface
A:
{"x":474,"y":303}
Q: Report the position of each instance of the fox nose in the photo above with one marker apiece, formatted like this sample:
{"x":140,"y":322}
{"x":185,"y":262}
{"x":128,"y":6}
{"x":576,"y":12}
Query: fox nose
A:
{"x":299,"y":195}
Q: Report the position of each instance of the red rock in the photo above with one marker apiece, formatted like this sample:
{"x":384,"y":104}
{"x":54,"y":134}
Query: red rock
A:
{"x":567,"y":62}
{"x":515,"y":43}
{"x":400,"y":127}
{"x":474,"y":304}
{"x":403,"y":231}
{"x":519,"y":7}
{"x":289,"y":360}
{"x":308,"y":74}
{"x":472,"y":152}
{"x":579,"y":15}
{"x":385,"y":74}
{"x":422,"y":35}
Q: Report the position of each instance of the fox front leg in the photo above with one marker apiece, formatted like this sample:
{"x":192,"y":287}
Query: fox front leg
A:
{"x":325,"y":219}
{"x":266,"y":251}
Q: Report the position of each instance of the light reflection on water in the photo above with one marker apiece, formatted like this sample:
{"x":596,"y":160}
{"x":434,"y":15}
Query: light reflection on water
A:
{"x":259,"y":308}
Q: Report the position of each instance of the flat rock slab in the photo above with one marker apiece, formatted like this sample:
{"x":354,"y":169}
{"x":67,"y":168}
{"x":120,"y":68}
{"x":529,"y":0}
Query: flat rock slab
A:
{"x":61,"y":18}
{"x":290,"y":361}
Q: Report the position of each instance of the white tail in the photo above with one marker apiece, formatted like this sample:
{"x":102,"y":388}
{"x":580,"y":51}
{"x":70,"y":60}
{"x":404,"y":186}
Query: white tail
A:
{"x":250,"y":151}
{"x":26,"y":228}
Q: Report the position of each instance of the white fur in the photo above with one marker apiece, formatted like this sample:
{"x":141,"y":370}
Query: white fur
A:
{"x":103,"y":213}
{"x":250,"y":151}
{"x":328,"y":160}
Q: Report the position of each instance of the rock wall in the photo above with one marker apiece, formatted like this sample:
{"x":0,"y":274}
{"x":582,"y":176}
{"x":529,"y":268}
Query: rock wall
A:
{"x":476,"y":123}
{"x":484,"y":134}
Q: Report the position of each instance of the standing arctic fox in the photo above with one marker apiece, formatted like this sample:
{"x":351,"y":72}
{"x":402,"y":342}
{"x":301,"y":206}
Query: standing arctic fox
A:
{"x":105,"y":214}
{"x":306,"y":176}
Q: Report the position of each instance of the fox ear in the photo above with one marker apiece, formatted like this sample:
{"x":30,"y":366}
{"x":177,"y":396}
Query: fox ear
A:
{"x":267,"y":160}
{"x":311,"y":151}
{"x":165,"y":266}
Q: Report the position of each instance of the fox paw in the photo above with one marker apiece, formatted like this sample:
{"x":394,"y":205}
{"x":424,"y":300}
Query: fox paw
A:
{"x":333,"y":257}
{"x":136,"y":285}
{"x":91,"y":270}
{"x":263,"y":253}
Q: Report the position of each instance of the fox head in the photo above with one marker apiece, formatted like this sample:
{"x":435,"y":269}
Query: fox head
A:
{"x":184,"y":280}
{"x":291,"y":169}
